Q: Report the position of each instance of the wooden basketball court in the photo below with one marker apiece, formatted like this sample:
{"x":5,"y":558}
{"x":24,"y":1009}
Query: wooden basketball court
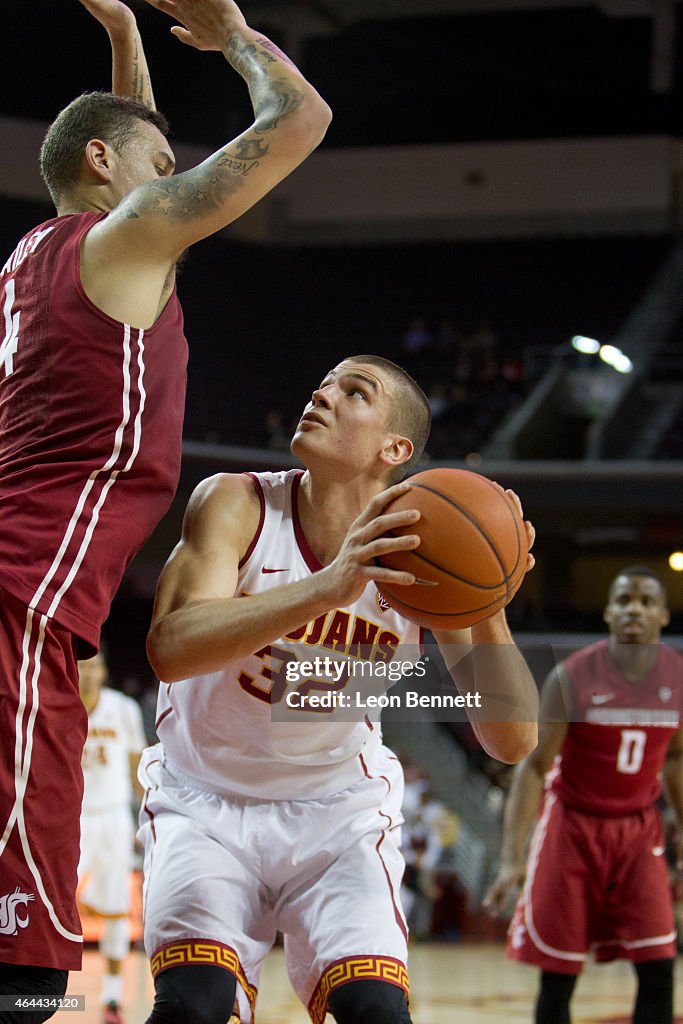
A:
{"x":453,"y":983}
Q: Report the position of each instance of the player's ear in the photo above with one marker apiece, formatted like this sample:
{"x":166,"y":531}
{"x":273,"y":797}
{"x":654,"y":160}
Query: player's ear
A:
{"x":97,"y":160}
{"x":396,"y":450}
{"x":664,"y":617}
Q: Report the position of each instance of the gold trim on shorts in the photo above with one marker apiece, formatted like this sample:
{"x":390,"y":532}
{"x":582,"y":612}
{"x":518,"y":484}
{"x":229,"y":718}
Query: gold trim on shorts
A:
{"x":203,"y":951}
{"x":355,"y":968}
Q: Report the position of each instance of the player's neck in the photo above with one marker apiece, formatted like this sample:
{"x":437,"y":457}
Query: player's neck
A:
{"x":634,"y":661}
{"x":326,"y":510}
{"x":83,"y":202}
{"x":91,"y":701}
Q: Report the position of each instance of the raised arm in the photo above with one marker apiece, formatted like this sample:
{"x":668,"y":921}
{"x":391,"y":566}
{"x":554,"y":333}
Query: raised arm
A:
{"x":163,"y":217}
{"x":200,"y":623}
{"x":130,"y":73}
{"x":526,"y":792}
{"x":127,"y":259}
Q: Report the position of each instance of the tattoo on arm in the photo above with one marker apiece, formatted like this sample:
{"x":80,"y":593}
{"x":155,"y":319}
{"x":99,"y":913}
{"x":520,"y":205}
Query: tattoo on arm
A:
{"x":196,"y":192}
{"x":141,"y":83}
{"x":268,"y":44}
{"x":137,"y":85}
{"x":273,"y":98}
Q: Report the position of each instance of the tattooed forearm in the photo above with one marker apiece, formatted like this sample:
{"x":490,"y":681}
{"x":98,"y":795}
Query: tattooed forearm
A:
{"x":141,"y":83}
{"x":251,"y":149}
{"x":242,"y":167}
{"x":267,"y":44}
{"x":137,"y":90}
{"x":272,"y":98}
{"x":199,"y":191}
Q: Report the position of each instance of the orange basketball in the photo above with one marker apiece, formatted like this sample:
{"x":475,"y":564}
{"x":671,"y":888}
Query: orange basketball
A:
{"x":472,"y":553}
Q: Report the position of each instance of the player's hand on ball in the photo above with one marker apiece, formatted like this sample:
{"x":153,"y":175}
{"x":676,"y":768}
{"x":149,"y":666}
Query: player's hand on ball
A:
{"x":530,"y":530}
{"x":369,"y":538}
{"x":504,"y":889}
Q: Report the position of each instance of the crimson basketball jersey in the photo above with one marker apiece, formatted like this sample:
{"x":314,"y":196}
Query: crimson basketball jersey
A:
{"x":612,"y":757}
{"x":91,"y":417}
{"x":222,"y":730}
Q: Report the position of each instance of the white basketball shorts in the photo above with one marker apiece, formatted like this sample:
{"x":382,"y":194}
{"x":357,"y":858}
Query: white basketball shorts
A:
{"x":224,"y":874}
{"x":106,"y":861}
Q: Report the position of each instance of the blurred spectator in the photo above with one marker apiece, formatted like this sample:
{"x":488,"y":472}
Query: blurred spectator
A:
{"x":417,"y":337}
{"x":429,"y":828}
{"x":276,"y":436}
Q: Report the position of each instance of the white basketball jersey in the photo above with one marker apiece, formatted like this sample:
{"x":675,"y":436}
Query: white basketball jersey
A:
{"x":222,"y":730}
{"x":114,"y":731}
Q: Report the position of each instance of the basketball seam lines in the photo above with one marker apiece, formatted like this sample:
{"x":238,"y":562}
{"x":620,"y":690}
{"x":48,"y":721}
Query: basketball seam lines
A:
{"x":473,"y":521}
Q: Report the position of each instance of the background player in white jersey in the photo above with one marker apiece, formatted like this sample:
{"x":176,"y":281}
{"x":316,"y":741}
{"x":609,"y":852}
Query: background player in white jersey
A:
{"x":110,"y":761}
{"x":253,"y":825}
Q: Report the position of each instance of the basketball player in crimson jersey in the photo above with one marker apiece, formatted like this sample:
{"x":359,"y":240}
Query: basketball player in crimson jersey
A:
{"x":596,"y":876}
{"x":92,"y":385}
{"x":253,"y":825}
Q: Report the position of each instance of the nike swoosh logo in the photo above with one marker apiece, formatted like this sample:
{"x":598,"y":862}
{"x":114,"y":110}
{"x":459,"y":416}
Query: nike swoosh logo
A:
{"x":658,"y":850}
{"x":263,"y":569}
{"x":602,"y":698}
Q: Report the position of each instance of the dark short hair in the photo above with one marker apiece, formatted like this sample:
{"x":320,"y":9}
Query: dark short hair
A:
{"x":93,"y":115}
{"x":410,"y":414}
{"x":639,"y":570}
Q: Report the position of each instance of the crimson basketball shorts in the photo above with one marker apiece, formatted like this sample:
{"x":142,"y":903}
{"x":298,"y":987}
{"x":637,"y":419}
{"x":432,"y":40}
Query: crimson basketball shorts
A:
{"x":224,"y":874}
{"x":593,"y":883}
{"x":43,"y":726}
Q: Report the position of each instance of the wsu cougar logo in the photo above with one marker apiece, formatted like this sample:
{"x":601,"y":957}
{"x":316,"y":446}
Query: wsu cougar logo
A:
{"x":9,"y":905}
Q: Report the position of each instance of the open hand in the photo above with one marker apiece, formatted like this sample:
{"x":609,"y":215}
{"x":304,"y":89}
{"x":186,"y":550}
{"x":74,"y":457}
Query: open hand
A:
{"x":204,"y":24}
{"x":504,"y":889}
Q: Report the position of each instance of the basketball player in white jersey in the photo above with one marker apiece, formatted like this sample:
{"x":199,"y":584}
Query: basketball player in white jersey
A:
{"x":110,"y":760}
{"x":253,"y":825}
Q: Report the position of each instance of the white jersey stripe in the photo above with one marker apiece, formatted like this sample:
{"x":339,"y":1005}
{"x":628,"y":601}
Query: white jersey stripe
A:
{"x":19,"y":726}
{"x":534,"y":855}
{"x":21,"y":772}
{"x":95,"y":514}
{"x":23,"y":756}
{"x":137,"y":426}
{"x":111,"y":461}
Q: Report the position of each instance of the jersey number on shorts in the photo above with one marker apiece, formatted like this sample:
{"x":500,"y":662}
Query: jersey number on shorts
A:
{"x":11,"y":339}
{"x":631,"y":751}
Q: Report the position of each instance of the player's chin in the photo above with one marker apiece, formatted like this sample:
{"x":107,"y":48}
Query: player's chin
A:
{"x":633,"y":639}
{"x":305,"y":442}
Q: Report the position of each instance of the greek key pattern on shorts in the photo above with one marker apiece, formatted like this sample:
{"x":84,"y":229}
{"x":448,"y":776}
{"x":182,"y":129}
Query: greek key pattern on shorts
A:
{"x":201,"y":951}
{"x":381,"y":968}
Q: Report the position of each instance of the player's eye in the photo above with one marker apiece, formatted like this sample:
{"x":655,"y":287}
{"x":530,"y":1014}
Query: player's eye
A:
{"x":357,"y":392}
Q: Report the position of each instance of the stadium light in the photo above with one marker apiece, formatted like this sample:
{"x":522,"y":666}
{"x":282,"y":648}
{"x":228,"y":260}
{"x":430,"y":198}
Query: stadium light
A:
{"x":615,"y":358}
{"x":589,"y":346}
